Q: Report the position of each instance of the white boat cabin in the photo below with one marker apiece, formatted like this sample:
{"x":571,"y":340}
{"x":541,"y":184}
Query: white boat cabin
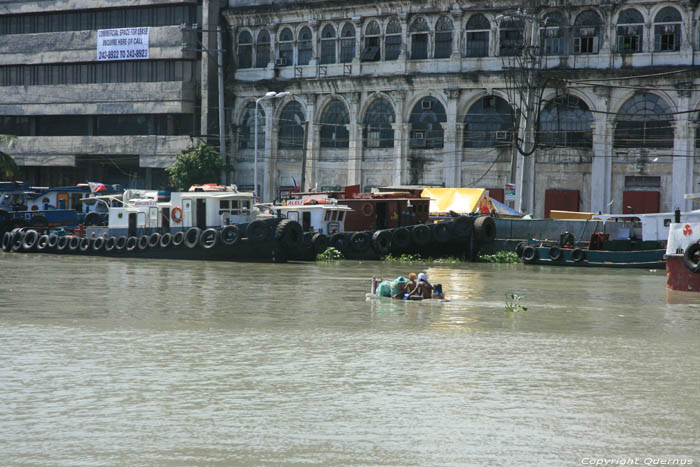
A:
{"x":316,"y":213}
{"x":652,"y":226}
{"x":144,"y":211}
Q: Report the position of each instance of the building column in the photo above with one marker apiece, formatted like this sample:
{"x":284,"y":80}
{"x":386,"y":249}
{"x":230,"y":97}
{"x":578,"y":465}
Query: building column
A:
{"x":457,"y":33}
{"x":269,"y":155}
{"x":403,"y":55}
{"x":459,"y":153}
{"x":450,"y":149}
{"x":273,"y":46}
{"x":313,"y":139}
{"x":401,"y":133}
{"x":357,"y":22}
{"x":601,"y":165}
{"x":314,"y":42}
{"x":355,"y":143}
{"x":683,"y":154}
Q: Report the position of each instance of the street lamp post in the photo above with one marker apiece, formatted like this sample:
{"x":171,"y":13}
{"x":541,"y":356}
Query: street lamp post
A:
{"x":268,"y":95}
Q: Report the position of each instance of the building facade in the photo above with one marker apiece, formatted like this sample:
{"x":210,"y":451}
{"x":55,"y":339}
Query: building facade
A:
{"x":414,"y":92}
{"x":80,"y":114}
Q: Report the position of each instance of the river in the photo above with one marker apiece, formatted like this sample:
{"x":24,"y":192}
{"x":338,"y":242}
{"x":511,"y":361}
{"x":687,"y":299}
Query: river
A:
{"x":142,"y":362}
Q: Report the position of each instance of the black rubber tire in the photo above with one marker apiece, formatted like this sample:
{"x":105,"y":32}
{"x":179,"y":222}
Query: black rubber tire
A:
{"x":110,"y":243}
{"x":421,"y":235}
{"x":289,"y":234}
{"x":92,"y":218}
{"x":462,"y":226}
{"x":62,"y":243}
{"x":340,"y":242}
{"x":230,"y":235}
{"x":53,"y":241}
{"x":42,"y":244}
{"x":209,"y":238}
{"x":578,"y":255}
{"x":132,"y":243}
{"x":178,"y":238}
{"x":98,"y":244}
{"x":691,"y":257}
{"x":17,"y":240}
{"x":29,"y":240}
{"x":401,"y":238}
{"x":530,"y":254}
{"x":519,"y":249}
{"x":74,"y":244}
{"x":7,"y":241}
{"x":485,"y":229}
{"x":143,"y":243}
{"x":258,"y":231}
{"x":192,"y":237}
{"x":120,"y":244}
{"x":554,"y":253}
{"x":85,"y":244}
{"x":39,"y":221}
{"x":381,"y":241}
{"x":154,"y":240}
{"x":165,"y":240}
{"x":320,"y":242}
{"x":360,"y":242}
{"x":307,"y":239}
{"x":441,"y":232}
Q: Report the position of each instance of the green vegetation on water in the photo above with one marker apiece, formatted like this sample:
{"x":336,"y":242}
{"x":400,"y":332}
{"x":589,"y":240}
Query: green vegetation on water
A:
{"x":331,"y":254}
{"x":501,"y":257}
{"x":513,"y":303}
{"x":416,"y":258}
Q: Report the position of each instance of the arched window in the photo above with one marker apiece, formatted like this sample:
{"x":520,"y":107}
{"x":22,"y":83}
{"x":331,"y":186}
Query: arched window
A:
{"x":510,"y":35}
{"x":245,"y":50}
{"x":419,"y":39}
{"x":286,"y":47}
{"x":378,"y":131}
{"x":291,"y":125}
{"x":392,"y":40}
{"x":304,"y":55}
{"x":426,"y":128}
{"x":587,"y":33}
{"x":552,"y":34}
{"x":630,"y":30}
{"x":443,"y":38}
{"x":334,"y":121}
{"x":372,"y":49}
{"x":246,"y":129}
{"x":347,"y":43}
{"x":488,"y":124}
{"x":262,"y":49}
{"x":667,"y":30}
{"x":478,"y":30}
{"x":566,"y":121}
{"x":644,"y":121}
{"x":328,"y":44}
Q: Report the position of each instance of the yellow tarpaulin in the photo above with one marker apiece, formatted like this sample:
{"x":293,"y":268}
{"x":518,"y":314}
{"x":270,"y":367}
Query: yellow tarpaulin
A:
{"x":459,"y":200}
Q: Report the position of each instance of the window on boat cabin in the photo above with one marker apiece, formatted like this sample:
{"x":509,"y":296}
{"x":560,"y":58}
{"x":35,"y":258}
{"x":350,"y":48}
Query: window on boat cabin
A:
{"x":293,"y":215}
{"x":334,"y":216}
{"x":328,"y":216}
{"x":341,"y":214}
{"x":245,"y":207}
{"x":224,"y":204}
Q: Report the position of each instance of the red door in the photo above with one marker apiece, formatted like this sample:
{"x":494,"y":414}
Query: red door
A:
{"x":560,"y":200}
{"x":496,"y":193}
{"x":640,"y":202}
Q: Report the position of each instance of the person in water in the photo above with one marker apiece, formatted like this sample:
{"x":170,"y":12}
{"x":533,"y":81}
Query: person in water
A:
{"x":424,"y":288}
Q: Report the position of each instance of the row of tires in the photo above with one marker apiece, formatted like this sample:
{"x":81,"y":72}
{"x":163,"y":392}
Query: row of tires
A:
{"x":287,"y":233}
{"x":530,"y":253}
{"x":403,"y":238}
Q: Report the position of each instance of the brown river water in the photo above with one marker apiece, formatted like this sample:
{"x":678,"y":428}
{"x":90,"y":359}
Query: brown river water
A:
{"x":141,"y":362}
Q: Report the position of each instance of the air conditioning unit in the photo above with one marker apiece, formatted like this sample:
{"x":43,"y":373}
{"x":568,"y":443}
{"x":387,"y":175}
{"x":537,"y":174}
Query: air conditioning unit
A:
{"x":419,"y":135}
{"x":501,"y":136}
{"x":281,"y":62}
{"x":426,"y":105}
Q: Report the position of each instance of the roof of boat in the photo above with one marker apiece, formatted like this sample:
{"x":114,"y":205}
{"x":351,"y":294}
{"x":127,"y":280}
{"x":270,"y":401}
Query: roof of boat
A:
{"x":216,"y":194}
{"x":336,"y":207}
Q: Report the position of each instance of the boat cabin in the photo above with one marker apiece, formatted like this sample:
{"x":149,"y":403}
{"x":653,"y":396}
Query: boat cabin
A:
{"x":645,"y":227}
{"x":316,"y":213}
{"x":148,"y":211}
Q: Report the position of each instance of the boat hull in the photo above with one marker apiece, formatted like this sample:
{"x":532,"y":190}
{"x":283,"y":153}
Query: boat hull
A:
{"x":641,"y":259}
{"x":679,"y":277}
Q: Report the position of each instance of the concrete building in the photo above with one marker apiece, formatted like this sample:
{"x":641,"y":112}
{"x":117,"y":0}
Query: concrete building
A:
{"x":80,"y":110}
{"x":413,"y":92}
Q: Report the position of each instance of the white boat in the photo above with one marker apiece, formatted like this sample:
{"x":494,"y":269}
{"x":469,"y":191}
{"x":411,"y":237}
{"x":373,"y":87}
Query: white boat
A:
{"x":683,"y":251}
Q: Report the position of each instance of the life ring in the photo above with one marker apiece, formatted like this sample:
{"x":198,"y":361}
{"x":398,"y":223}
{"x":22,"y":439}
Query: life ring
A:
{"x":555,"y":253}
{"x":578,"y":255}
{"x":690,"y":257}
{"x":367,"y":209}
{"x":176,"y":214}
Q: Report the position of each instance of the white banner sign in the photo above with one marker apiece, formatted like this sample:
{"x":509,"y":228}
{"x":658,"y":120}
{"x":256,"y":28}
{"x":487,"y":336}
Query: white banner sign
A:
{"x":122,"y":44}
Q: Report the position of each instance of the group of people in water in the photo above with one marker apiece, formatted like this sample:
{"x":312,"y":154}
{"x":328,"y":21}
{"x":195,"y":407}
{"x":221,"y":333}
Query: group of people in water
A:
{"x":416,"y":287}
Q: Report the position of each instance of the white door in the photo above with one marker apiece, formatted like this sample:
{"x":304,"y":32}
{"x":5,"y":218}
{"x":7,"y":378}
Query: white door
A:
{"x":187,"y":213}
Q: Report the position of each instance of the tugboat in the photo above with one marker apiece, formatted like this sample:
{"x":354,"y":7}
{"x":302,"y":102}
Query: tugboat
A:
{"x":683,"y":251}
{"x":209,"y":222}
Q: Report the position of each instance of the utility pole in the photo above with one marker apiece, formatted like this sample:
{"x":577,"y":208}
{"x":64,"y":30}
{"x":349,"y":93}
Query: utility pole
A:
{"x":525,"y":87}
